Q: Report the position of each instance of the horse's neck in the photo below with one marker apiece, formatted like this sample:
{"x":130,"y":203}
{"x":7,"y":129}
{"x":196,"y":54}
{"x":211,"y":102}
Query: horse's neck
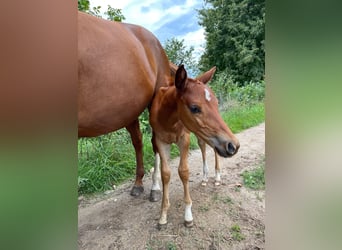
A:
{"x":168,"y":107}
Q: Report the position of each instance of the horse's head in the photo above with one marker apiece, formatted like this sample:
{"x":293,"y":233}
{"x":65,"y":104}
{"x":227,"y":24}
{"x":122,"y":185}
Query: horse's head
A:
{"x":198,"y":111}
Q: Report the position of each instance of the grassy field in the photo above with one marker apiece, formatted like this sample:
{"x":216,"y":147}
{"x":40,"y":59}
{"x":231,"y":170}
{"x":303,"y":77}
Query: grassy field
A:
{"x":109,"y":160}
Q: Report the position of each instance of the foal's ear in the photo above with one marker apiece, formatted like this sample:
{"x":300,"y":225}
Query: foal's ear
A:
{"x":181,"y":77}
{"x":207,"y":76}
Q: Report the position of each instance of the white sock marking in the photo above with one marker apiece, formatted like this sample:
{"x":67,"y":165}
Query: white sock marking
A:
{"x":188,"y":213}
{"x":156,"y":173}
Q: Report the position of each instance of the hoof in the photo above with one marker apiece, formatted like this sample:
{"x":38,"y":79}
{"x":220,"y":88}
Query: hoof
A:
{"x":137,"y":190}
{"x":188,"y":224}
{"x":162,"y":226}
{"x":155,"y":195}
{"x":217,"y":183}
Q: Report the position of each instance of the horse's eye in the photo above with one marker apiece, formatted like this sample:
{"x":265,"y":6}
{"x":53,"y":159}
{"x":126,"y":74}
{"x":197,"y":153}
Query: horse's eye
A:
{"x":195,"y":109}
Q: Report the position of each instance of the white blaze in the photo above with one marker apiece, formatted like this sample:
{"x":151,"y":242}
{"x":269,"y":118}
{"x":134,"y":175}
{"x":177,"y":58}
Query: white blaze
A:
{"x":207,"y":95}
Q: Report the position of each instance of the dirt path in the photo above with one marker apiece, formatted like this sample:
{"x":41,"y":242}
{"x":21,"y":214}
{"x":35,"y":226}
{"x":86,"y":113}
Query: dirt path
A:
{"x":119,"y":221}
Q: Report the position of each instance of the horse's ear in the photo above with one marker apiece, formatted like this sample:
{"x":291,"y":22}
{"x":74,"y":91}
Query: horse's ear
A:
{"x":181,"y":77}
{"x":207,"y":76}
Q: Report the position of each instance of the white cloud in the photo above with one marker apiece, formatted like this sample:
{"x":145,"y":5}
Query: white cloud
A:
{"x":153,"y":19}
{"x":155,"y":16}
{"x":195,"y":39}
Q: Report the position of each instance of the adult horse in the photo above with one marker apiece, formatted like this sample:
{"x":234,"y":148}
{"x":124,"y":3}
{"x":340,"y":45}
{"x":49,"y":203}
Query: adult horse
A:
{"x":120,"y":66}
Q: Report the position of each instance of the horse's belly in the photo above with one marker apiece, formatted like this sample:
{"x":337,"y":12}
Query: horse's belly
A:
{"x":115,"y":109}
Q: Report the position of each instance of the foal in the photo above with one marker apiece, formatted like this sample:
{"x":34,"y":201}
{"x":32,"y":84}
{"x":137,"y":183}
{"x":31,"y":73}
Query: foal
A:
{"x":188,"y":105}
{"x":202,"y":145}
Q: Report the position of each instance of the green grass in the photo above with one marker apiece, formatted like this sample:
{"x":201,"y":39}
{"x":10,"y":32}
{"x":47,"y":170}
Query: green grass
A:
{"x":171,"y":246}
{"x":255,"y":179}
{"x":236,"y":233}
{"x":108,"y":160}
{"x":242,"y":117}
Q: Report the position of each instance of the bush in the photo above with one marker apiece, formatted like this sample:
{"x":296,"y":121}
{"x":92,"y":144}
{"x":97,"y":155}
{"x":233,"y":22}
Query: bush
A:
{"x":226,"y":90}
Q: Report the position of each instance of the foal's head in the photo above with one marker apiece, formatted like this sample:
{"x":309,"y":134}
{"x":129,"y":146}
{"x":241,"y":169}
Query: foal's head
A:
{"x":198,"y":110}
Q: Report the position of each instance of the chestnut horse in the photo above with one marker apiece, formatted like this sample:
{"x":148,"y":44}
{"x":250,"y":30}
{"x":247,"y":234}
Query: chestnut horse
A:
{"x":202,"y":145}
{"x":120,"y":66}
{"x":188,"y":105}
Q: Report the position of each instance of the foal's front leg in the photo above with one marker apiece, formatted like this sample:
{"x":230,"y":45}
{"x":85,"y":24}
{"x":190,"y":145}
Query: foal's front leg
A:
{"x":183,"y":171}
{"x":217,"y":171}
{"x":164,"y":150}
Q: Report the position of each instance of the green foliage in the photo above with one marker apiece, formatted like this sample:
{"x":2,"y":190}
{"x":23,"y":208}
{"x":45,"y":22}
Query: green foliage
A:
{"x":249,"y":93}
{"x":83,"y":5}
{"x":235,"y":38}
{"x":241,"y":107}
{"x":96,"y":11}
{"x":179,"y":54}
{"x":236,"y":233}
{"x":242,"y":117}
{"x":107,"y":160}
{"x":171,"y":246}
{"x":113,"y":14}
{"x":255,"y":179}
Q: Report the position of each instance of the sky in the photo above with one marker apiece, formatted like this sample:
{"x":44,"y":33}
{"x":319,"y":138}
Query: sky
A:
{"x":164,"y":18}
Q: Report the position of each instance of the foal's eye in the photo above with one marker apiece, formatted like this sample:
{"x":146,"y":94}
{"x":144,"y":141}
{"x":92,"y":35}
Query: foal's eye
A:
{"x":195,"y":109}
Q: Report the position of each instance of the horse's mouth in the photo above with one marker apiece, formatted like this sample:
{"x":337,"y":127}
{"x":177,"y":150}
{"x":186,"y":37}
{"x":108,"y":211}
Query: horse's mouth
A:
{"x":224,"y":148}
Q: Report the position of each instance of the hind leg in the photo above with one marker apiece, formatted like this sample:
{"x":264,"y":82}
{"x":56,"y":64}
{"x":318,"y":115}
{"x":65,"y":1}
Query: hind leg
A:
{"x":202,"y":146}
{"x":155,"y":194}
{"x":136,"y":137}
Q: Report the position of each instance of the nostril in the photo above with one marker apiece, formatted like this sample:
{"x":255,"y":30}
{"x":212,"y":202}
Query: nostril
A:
{"x":231,"y":148}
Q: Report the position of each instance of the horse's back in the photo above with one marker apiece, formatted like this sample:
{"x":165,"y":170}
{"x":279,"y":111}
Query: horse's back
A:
{"x":119,"y":66}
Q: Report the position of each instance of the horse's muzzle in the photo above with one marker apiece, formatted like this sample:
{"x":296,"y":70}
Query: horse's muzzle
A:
{"x":228,"y":149}
{"x":231,"y":148}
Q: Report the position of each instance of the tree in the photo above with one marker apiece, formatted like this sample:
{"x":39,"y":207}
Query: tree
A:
{"x":179,"y":54}
{"x":113,"y":14}
{"x":235,"y":37}
{"x":83,"y":5}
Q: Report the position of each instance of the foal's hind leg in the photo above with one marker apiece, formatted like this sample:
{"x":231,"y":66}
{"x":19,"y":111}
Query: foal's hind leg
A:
{"x":136,"y":138}
{"x":202,"y":146}
{"x":155,"y":194}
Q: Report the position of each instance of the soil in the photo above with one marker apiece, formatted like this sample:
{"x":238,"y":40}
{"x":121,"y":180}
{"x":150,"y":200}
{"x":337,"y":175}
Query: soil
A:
{"x":116,"y":220}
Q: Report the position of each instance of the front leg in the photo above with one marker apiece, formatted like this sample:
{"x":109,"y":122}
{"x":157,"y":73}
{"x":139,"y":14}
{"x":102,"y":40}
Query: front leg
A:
{"x":164,"y":150}
{"x":217,"y":171}
{"x":183,"y":171}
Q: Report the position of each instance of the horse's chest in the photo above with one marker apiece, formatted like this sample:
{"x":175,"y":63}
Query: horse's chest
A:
{"x":172,"y":134}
